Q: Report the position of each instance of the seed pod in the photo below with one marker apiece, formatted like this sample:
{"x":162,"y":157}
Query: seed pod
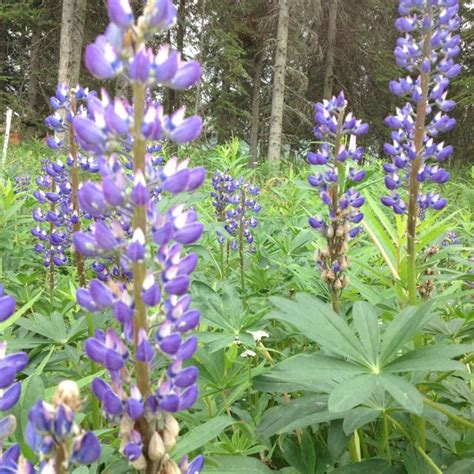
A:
{"x":169,"y":439}
{"x":67,"y":393}
{"x":172,"y":425}
{"x":347,"y":227}
{"x":170,"y":467}
{"x":340,"y":231}
{"x":156,"y":448}
{"x":126,"y":425}
{"x":140,"y":463}
{"x":331,"y":275}
{"x":337,"y":284}
{"x":344,"y":247}
{"x":330,"y":232}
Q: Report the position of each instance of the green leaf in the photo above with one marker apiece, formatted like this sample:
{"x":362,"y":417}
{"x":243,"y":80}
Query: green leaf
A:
{"x":316,"y":320}
{"x":436,"y":358}
{"x":352,"y":392}
{"x":367,"y":325}
{"x":357,"y":417}
{"x":313,"y":372}
{"x":201,"y":435}
{"x":403,"y":392}
{"x":403,"y":328}
{"x":19,"y":313}
{"x":277,"y":419}
{"x":367,"y":467}
{"x":236,"y":465}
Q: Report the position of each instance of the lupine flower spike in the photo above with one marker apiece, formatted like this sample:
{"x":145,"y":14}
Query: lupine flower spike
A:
{"x":338,"y":161}
{"x":53,"y":434}
{"x":10,"y":390}
{"x":426,"y":51}
{"x":235,"y":206}
{"x":153,"y":310}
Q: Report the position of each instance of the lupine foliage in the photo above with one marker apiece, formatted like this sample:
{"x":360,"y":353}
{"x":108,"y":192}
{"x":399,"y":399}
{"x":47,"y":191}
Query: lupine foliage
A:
{"x":201,"y":336}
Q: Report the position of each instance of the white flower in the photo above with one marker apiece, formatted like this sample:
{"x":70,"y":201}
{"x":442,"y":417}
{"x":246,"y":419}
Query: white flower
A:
{"x":248,"y":353}
{"x":258,"y":335}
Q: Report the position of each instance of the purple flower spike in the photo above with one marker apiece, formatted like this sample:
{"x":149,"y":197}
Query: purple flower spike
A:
{"x":138,"y":241}
{"x":433,"y":65}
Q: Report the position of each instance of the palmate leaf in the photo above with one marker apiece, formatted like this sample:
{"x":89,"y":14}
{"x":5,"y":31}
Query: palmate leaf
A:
{"x":367,"y":325}
{"x":403,"y":392}
{"x":357,"y":417}
{"x":352,"y":392}
{"x":405,"y":325}
{"x":235,"y":465}
{"x":313,"y":372}
{"x":200,"y":435}
{"x":429,"y":359}
{"x":318,"y":322}
{"x":299,"y":413}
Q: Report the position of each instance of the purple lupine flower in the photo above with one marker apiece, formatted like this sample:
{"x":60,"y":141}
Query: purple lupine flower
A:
{"x":426,"y":51}
{"x":146,"y":245}
{"x":336,"y":129}
{"x":235,"y":200}
{"x":51,"y":428}
{"x":10,"y":390}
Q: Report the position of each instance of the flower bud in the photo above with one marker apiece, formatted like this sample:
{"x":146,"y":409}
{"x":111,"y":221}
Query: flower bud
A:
{"x":67,"y":393}
{"x":156,"y":448}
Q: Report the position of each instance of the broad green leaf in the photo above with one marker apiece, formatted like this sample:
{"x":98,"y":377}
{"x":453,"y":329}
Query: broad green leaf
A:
{"x":403,"y":392}
{"x":465,"y":466}
{"x":316,"y":320}
{"x":312,"y":371}
{"x":436,"y":358}
{"x":19,"y":313}
{"x":357,"y":417}
{"x":369,"y":466}
{"x":337,"y":439}
{"x":403,"y":328}
{"x":235,"y":465}
{"x":367,"y":325}
{"x":201,"y":435}
{"x":277,"y":419}
{"x":352,"y":392}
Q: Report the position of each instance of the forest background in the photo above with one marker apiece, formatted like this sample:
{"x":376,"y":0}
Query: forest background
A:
{"x":265,"y":63}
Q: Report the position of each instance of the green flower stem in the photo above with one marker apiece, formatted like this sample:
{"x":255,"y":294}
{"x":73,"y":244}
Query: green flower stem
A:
{"x":354,"y":447}
{"x":52,"y":208}
{"x":335,"y":190}
{"x":386,"y":437}
{"x":140,"y":320}
{"x":241,"y":241}
{"x":441,"y":409}
{"x":421,"y":451}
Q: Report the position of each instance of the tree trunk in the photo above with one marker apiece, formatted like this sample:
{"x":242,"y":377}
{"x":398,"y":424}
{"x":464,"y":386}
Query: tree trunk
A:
{"x":331,"y":46}
{"x":278,"y":98}
{"x":175,"y":96}
{"x":257,"y":79}
{"x":34,"y":85}
{"x":202,"y":35}
{"x":71,"y":39}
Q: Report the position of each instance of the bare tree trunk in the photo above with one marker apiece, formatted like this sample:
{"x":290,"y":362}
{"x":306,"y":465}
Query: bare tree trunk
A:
{"x":331,"y":46}
{"x":71,"y":39}
{"x":197,"y":105}
{"x":34,"y":86}
{"x":278,"y":98}
{"x":257,"y":79}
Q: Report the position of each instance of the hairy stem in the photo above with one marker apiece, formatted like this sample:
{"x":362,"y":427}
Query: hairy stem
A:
{"x":333,"y":244}
{"x":241,"y":240}
{"x":75,"y":200}
{"x":52,"y":208}
{"x":140,"y":321}
{"x":414,"y":184}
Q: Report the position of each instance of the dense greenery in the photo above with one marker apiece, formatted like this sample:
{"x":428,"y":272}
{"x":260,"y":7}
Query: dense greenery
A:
{"x":285,"y":384}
